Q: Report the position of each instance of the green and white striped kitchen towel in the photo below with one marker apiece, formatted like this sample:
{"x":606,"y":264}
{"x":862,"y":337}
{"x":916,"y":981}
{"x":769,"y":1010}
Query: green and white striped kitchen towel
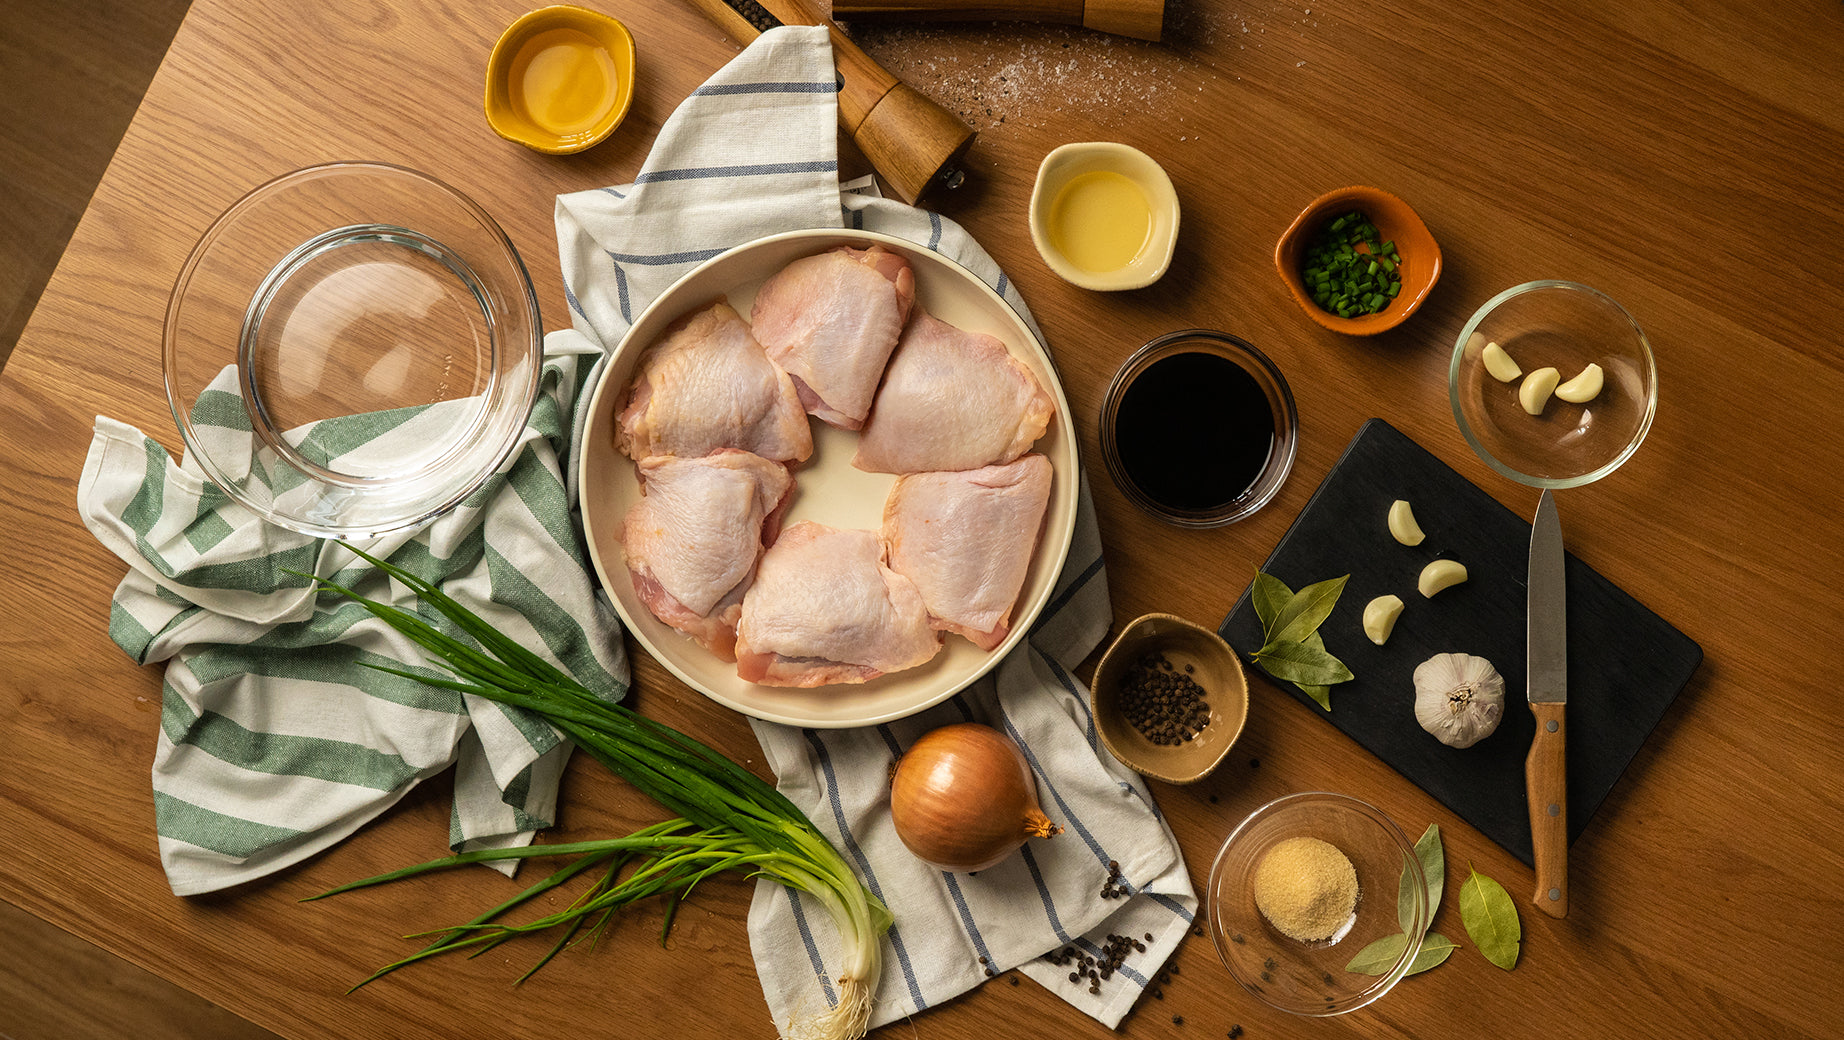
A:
{"x":754,"y":152}
{"x":276,"y":740}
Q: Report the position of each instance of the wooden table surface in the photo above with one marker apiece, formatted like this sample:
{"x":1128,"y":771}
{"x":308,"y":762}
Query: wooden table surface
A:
{"x":1685,"y":156}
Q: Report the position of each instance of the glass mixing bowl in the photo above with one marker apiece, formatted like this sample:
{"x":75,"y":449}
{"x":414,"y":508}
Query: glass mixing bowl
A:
{"x":352,"y":349}
{"x":1309,"y":978}
{"x":1565,"y":326}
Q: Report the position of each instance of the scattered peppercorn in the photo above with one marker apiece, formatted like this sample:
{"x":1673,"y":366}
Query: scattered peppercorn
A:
{"x":1234,"y":1032}
{"x":1166,"y":706}
{"x":1178,"y":1020}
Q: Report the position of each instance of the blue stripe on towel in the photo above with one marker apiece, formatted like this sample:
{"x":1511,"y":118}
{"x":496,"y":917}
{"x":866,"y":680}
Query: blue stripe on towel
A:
{"x":797,"y":87}
{"x":1076,"y":584}
{"x":830,"y":777}
{"x":813,"y":950}
{"x":1043,"y":777}
{"x":690,"y":173}
{"x":1043,"y":894}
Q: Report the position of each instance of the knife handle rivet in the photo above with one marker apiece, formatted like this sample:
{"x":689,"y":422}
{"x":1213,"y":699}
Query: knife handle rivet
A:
{"x":1550,"y":725}
{"x":1555,"y":894}
{"x":1554,"y":809}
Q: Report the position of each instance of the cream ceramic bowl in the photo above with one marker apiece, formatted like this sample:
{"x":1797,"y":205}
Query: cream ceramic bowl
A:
{"x":1089,"y":186}
{"x":830,"y":490}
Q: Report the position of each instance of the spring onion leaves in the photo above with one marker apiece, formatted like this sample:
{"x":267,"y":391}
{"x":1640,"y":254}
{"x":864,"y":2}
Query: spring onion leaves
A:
{"x":728,"y":819}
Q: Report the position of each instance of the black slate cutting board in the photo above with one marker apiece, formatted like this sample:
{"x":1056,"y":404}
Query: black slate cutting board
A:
{"x":1626,"y":664}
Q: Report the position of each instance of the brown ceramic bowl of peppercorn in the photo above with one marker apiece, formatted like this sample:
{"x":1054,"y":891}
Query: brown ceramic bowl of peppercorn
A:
{"x":1169,"y":698}
{"x":1416,"y":260}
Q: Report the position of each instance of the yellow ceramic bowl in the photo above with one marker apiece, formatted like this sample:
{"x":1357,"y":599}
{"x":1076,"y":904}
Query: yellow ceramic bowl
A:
{"x":1104,"y":216}
{"x":560,"y":79}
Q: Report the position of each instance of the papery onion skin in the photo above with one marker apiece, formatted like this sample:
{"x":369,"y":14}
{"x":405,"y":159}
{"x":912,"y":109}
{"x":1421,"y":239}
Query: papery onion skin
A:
{"x":963,"y":798}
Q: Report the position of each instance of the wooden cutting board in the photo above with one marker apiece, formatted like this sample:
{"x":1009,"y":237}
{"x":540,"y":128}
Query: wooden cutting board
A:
{"x":1626,"y":664}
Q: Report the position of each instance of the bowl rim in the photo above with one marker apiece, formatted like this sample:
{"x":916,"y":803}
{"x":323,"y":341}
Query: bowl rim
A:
{"x":1067,"y":160}
{"x":1288,"y":247}
{"x":496,"y":102}
{"x":1241,"y":717}
{"x":1282,"y":407}
{"x":1349,"y":803}
{"x":1472,"y":437}
{"x":524,"y":388}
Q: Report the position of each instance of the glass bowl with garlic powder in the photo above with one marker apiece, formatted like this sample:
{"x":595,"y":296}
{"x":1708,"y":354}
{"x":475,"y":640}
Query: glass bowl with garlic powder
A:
{"x":1303,"y":885}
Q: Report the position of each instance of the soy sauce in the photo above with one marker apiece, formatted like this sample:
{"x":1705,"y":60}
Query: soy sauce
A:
{"x":1194,"y":431}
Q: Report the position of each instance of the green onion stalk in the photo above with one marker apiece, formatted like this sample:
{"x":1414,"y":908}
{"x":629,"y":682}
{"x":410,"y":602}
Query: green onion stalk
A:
{"x":728,"y":819}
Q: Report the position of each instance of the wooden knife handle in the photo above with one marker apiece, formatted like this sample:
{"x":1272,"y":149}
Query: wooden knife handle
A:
{"x":1546,"y":785}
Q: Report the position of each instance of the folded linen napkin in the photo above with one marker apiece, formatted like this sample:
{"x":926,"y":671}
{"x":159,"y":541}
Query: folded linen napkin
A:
{"x":751,"y":153}
{"x":276,"y":740}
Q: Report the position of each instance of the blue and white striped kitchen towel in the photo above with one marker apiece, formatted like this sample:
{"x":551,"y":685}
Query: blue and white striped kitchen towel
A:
{"x":276,"y":740}
{"x":754,"y":152}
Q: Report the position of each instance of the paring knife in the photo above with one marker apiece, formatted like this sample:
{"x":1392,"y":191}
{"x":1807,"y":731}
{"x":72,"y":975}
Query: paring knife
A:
{"x":1547,"y":684}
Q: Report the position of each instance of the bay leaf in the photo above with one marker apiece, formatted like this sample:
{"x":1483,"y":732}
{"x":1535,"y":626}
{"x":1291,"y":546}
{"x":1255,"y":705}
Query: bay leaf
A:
{"x":1306,"y":609}
{"x":1296,"y":662}
{"x":1268,"y":595}
{"x":1435,"y":949}
{"x":1322,"y":695}
{"x":1433,"y":871}
{"x":1379,"y":956}
{"x":1491,"y":919}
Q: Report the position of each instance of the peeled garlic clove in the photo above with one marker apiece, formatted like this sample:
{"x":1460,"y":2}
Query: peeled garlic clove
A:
{"x":1499,"y":363}
{"x":1459,"y":698}
{"x":1534,"y":392}
{"x":1583,"y":387}
{"x":1439,"y":575}
{"x":1402,"y":525}
{"x":1380,"y":616}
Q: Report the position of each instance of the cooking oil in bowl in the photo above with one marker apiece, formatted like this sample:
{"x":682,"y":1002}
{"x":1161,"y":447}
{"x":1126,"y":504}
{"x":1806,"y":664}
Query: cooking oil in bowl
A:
{"x":563,"y":81}
{"x":1104,"y":216}
{"x":1101,"y":221}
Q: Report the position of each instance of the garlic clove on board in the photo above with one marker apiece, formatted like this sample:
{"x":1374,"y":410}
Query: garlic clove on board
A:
{"x":1459,"y":698}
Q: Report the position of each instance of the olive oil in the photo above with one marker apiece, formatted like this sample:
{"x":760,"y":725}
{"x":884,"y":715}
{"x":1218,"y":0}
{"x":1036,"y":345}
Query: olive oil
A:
{"x":1100,"y":220}
{"x":1194,"y":431}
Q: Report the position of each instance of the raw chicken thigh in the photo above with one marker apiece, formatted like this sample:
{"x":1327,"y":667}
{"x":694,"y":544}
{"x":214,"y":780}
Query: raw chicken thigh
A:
{"x":707,"y":384}
{"x":966,"y":538}
{"x":831,"y":320}
{"x":825,"y":609}
{"x":693,"y":539}
{"x":951,"y":400}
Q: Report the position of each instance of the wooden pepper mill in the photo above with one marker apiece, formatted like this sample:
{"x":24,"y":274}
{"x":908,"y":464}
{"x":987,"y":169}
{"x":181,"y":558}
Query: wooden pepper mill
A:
{"x":1140,"y":19}
{"x":912,"y":142}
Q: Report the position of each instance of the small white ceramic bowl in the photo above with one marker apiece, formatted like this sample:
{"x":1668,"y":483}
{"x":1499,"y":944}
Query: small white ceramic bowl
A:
{"x":1069,"y":165}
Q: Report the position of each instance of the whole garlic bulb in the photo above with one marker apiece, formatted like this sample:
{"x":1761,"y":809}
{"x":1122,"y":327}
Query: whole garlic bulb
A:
{"x":1459,"y":698}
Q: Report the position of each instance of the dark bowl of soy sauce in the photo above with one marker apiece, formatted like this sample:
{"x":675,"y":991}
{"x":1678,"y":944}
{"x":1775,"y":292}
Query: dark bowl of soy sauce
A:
{"x":1199,"y":429}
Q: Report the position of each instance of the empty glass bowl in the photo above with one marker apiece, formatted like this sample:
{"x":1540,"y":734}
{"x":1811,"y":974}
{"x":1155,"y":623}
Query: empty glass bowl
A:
{"x":1565,"y":326}
{"x":352,"y":349}
{"x":1309,"y":978}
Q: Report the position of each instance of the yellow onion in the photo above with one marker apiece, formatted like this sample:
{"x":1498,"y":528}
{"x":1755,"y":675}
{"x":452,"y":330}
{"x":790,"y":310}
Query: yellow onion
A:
{"x":963,"y":798}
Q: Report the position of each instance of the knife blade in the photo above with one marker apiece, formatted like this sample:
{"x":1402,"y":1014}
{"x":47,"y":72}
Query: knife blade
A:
{"x":1547,"y":686}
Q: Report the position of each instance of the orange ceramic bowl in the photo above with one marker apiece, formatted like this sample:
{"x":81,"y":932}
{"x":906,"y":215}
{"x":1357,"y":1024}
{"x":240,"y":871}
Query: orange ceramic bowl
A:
{"x":1420,"y":255}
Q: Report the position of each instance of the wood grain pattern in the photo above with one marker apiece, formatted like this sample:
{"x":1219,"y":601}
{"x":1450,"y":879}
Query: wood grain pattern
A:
{"x":1681,"y":155}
